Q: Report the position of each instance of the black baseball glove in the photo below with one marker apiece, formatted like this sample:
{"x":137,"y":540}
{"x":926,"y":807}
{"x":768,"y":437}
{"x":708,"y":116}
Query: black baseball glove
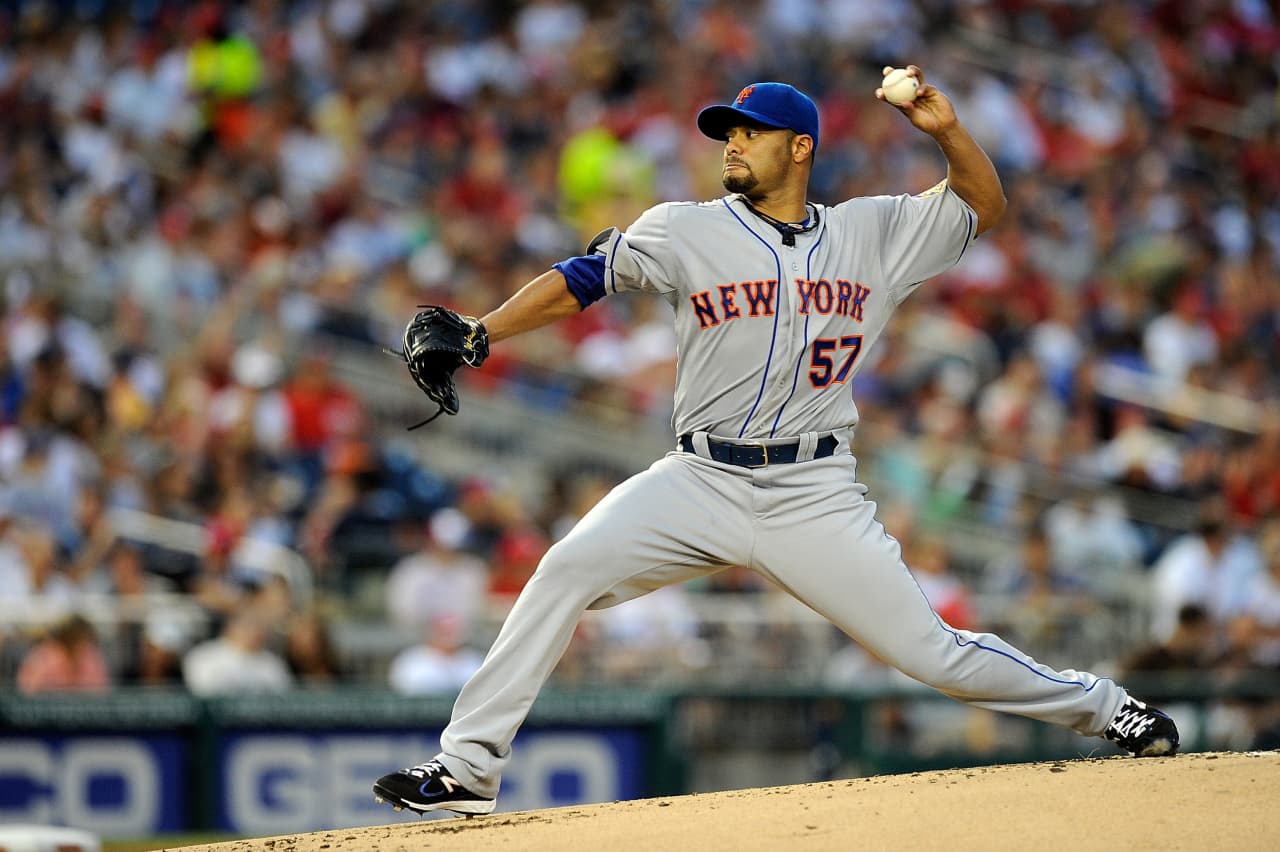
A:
{"x":436,"y":343}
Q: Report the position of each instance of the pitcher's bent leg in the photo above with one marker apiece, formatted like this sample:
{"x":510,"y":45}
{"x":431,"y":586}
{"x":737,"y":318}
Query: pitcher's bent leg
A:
{"x":651,"y":531}
{"x":844,"y":566}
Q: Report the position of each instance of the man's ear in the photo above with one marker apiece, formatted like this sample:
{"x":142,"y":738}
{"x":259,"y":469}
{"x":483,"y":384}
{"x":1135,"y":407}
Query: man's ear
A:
{"x":801,"y":147}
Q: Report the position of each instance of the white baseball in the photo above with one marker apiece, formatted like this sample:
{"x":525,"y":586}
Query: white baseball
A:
{"x":899,"y":87}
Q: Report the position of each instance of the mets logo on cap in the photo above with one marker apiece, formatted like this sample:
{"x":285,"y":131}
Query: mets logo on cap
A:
{"x":775,"y":105}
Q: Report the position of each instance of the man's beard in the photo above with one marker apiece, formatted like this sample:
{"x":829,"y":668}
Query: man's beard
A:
{"x":741,"y":180}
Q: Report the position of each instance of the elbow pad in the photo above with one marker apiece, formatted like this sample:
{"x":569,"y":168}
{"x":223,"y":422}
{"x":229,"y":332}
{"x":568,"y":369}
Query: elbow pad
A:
{"x":599,"y":240}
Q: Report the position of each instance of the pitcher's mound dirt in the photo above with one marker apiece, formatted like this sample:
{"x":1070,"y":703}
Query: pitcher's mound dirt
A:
{"x":1191,"y":802}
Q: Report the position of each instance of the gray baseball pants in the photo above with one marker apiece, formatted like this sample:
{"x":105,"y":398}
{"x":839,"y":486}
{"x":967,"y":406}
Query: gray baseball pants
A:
{"x":807,"y":527}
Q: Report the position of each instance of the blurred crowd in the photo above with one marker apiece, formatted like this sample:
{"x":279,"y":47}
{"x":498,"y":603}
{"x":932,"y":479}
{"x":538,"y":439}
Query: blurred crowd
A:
{"x":201,"y":203}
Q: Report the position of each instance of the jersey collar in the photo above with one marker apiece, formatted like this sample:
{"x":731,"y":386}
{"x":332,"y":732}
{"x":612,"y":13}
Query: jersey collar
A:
{"x":784,"y":231}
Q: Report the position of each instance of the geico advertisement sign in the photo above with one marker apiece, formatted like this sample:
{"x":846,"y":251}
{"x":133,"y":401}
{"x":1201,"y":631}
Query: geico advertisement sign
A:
{"x":279,"y":783}
{"x":112,"y":786}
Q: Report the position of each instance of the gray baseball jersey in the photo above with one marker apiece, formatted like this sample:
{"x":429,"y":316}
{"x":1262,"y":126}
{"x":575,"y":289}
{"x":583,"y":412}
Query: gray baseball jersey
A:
{"x":769,"y":336}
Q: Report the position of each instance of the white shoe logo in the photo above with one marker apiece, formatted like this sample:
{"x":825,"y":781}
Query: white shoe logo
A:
{"x":1132,"y":724}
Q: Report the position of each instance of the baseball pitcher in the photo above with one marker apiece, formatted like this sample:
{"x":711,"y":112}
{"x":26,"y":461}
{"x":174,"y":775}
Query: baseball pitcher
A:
{"x":777,"y":300}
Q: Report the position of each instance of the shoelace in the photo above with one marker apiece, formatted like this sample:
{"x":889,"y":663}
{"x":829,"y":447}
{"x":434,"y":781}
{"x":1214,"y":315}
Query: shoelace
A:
{"x":422,"y":770}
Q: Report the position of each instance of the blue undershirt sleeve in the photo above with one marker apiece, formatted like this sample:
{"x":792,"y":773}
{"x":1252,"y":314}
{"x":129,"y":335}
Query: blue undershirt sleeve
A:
{"x":585,"y":277}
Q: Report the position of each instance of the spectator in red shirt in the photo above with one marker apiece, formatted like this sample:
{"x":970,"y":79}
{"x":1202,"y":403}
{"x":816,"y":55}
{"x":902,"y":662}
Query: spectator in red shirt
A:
{"x":66,"y":660}
{"x":320,"y":407}
{"x":946,"y":594}
{"x":514,"y":560}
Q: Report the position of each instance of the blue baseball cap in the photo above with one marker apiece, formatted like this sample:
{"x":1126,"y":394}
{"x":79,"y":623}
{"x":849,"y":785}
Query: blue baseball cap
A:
{"x":771,"y":104}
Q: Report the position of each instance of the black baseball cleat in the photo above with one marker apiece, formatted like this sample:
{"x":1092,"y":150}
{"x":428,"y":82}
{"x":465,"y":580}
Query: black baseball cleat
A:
{"x":429,"y":787}
{"x":1142,"y":731}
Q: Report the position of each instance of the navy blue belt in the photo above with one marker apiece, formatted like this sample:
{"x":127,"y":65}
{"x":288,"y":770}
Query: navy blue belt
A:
{"x":757,"y":454}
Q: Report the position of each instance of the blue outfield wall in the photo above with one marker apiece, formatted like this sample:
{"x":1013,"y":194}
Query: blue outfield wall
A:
{"x":271,"y":782}
{"x":112,"y":785}
{"x":139,"y":764}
